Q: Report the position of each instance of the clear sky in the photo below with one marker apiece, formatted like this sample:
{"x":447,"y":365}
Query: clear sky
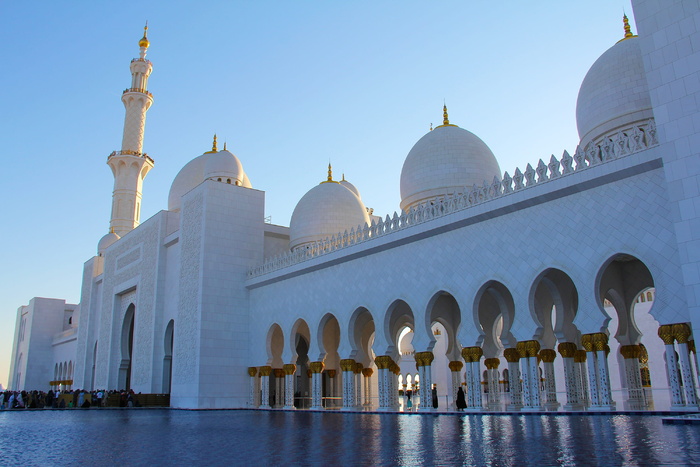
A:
{"x":289,"y":85}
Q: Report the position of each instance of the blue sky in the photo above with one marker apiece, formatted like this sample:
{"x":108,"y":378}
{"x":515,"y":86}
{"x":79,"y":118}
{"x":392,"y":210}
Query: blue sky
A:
{"x":288,"y":85}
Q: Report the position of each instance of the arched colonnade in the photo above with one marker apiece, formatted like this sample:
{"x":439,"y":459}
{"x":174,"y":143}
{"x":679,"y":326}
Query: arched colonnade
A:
{"x":333,"y":364}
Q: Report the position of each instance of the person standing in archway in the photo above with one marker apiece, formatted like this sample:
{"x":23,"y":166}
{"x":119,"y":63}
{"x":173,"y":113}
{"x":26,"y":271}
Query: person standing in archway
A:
{"x":435,"y":397}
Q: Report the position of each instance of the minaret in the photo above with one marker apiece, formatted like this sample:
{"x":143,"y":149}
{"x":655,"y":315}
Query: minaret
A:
{"x":131,"y":164}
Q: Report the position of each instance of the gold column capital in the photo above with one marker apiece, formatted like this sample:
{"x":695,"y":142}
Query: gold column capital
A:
{"x":382,"y":362}
{"x":279,"y":372}
{"x":631,"y":351}
{"x":347,"y":364}
{"x":252,"y":371}
{"x":265,"y":370}
{"x":548,"y":355}
{"x":358,"y":368}
{"x":681,"y":331}
{"x":289,"y":368}
{"x":528,"y":348}
{"x":367,"y":372}
{"x":600,"y":341}
{"x":425,"y":358}
{"x":455,"y":365}
{"x":316,"y":367}
{"x":587,"y":342}
{"x":511,"y":355}
{"x":567,"y":349}
{"x":666,"y":334}
{"x":580,"y":356}
{"x":331,"y":373}
{"x":492,"y":363}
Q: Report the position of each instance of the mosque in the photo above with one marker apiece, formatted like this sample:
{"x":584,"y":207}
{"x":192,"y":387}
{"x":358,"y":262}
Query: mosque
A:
{"x":571,"y":284}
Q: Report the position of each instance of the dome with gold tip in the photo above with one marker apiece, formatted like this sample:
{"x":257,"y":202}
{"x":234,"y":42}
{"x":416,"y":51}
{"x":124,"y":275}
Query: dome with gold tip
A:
{"x":443,"y":162}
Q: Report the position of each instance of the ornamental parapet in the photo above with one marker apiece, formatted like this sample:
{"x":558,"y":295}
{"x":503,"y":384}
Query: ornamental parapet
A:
{"x":622,"y":144}
{"x":127,"y":152}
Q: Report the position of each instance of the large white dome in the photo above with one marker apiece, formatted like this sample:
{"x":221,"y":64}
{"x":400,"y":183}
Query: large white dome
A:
{"x":325,"y":210}
{"x":443,"y":162}
{"x":213,"y":165}
{"x":614,"y":94}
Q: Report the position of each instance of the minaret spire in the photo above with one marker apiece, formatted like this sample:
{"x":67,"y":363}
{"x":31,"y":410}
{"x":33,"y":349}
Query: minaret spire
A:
{"x":130,"y":165}
{"x":330,"y":175}
{"x":445,"y":118}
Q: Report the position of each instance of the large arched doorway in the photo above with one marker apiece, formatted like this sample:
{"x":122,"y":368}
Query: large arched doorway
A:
{"x":443,"y":318}
{"x":127,"y":348}
{"x":168,"y":356}
{"x":329,"y":340}
{"x":638,"y":373}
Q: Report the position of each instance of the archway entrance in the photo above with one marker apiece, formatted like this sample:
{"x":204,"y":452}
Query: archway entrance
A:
{"x":168,"y":357}
{"x":127,"y":347}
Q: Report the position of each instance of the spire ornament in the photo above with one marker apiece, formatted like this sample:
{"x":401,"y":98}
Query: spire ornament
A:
{"x":445,"y":119}
{"x":628,"y":30}
{"x":213,"y":146}
{"x":144,"y":42}
{"x":330,"y":175}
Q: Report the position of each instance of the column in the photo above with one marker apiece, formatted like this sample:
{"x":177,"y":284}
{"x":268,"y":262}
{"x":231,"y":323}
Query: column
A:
{"x":367,"y":374}
{"x":394,"y":372}
{"x":691,"y":348}
{"x":456,"y":370}
{"x":382,"y":363}
{"x":316,"y":385}
{"x":581,"y":377}
{"x":587,"y":343}
{"x":289,"y":370}
{"x":493,"y":399}
{"x":531,"y":374}
{"x":252,"y":393}
{"x":681,"y":332}
{"x":568,"y":351}
{"x":265,"y":383}
{"x":550,"y":385}
{"x":347,"y":366}
{"x":279,"y":386}
{"x":331,"y":401}
{"x":633,"y":377}
{"x":600,"y":344}
{"x":358,"y":385}
{"x":472,"y":357}
{"x":666,"y":335}
{"x":516,"y":395}
{"x":424,"y":360}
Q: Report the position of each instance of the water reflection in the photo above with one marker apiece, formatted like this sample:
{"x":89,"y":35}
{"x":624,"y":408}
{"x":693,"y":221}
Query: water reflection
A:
{"x":158,"y":437}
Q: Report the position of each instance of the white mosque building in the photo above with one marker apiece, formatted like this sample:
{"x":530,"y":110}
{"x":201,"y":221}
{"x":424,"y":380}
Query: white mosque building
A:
{"x":571,"y":284}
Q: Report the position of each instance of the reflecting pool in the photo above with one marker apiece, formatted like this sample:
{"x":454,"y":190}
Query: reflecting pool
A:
{"x":178,"y":437}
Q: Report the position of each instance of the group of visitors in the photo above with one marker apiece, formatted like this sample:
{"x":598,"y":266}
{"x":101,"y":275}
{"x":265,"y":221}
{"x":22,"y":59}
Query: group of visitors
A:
{"x":57,"y":399}
{"x":460,"y":402}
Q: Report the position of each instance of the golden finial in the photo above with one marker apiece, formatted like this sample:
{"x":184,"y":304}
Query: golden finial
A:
{"x":224,"y":145}
{"x":343,"y":177}
{"x":330,"y":175}
{"x":144,"y":40}
{"x":445,"y":118}
{"x":628,"y":30}
{"x":213,"y":146}
{"x":431,"y":126}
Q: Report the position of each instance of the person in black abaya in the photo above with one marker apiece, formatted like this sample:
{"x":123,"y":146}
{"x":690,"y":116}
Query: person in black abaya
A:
{"x":461,"y":403}
{"x":435,"y":399}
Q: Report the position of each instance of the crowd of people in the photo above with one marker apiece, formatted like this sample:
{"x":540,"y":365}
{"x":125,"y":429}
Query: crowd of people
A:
{"x":57,"y":399}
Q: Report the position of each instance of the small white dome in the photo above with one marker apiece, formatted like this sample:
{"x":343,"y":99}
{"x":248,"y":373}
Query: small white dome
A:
{"x":106,"y":241}
{"x":614,"y":95}
{"x":443,"y":162}
{"x":225,"y":166}
{"x":210,"y":165}
{"x":350,"y":187}
{"x":324,"y":211}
